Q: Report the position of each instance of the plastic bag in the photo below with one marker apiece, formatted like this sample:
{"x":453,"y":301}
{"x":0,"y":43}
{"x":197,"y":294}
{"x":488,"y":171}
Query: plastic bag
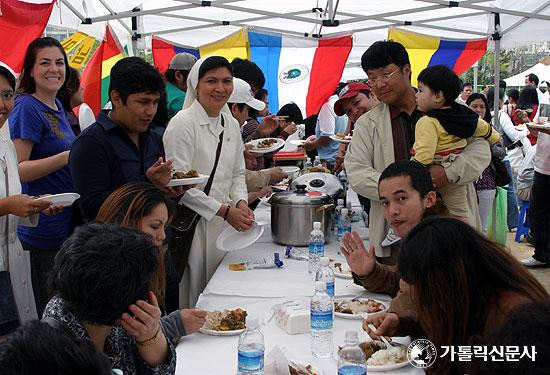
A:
{"x":497,"y":226}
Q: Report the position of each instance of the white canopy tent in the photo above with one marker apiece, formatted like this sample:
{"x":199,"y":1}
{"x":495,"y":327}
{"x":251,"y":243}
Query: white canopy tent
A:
{"x":196,"y":22}
{"x":542,"y":71}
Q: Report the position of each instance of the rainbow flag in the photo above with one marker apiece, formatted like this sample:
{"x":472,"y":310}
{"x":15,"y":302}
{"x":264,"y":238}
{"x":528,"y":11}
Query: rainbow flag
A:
{"x":97,"y":74}
{"x":425,"y":51}
{"x":230,"y":47}
{"x":20,"y":23}
{"x":299,"y":70}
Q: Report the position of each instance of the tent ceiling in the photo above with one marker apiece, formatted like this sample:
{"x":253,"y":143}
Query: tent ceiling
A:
{"x":190,"y":23}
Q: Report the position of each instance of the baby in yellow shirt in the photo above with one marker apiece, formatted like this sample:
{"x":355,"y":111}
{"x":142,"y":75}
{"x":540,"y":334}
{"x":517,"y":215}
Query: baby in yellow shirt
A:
{"x":442,"y":132}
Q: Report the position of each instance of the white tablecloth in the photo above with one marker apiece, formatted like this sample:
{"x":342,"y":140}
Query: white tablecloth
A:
{"x":257,"y":291}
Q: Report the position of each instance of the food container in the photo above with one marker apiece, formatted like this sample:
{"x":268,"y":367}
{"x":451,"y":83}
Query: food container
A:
{"x":321,"y":182}
{"x":293,"y":214}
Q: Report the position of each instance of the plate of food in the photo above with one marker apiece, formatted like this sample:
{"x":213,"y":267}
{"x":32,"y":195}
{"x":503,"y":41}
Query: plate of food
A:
{"x":224,"y":323}
{"x":303,"y":368}
{"x":342,"y":138}
{"x":356,"y":308}
{"x":381,"y":359}
{"x":63,"y":199}
{"x":341,"y":270}
{"x":297,"y":142}
{"x":265,"y":145}
{"x":191,"y":177}
{"x":537,"y":126}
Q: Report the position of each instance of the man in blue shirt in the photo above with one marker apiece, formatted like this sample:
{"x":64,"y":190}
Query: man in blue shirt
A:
{"x":119,"y":147}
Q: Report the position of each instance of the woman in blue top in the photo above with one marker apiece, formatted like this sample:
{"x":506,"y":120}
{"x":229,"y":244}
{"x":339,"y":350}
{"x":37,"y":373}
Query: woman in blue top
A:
{"x":43,"y":137}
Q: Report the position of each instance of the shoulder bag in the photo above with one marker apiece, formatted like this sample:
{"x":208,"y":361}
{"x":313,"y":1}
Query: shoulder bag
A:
{"x":185,"y":222}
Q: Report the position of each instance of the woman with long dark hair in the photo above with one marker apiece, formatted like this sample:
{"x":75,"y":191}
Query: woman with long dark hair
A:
{"x":70,"y":96}
{"x":43,"y":137}
{"x":528,"y":100}
{"x":463,"y":284}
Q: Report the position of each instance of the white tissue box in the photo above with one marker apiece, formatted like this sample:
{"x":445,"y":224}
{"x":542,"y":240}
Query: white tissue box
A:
{"x":293,"y":317}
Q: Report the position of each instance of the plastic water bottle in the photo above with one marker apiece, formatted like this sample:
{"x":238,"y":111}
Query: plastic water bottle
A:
{"x":322,"y":317}
{"x":326,"y":274}
{"x":251,"y":349}
{"x":343,"y":178}
{"x":351,"y":358}
{"x":344,"y":224}
{"x":317,"y":161}
{"x":308,"y":164}
{"x":337,"y":212}
{"x":316,"y":247}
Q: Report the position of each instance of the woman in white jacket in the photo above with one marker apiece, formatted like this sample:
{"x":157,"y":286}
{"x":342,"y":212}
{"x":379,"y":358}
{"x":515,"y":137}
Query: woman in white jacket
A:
{"x":191,"y":140}
{"x":15,"y":209}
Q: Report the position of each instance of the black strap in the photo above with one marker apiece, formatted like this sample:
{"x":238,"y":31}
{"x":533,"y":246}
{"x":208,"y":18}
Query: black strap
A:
{"x":56,"y":324}
{"x":218,"y":152}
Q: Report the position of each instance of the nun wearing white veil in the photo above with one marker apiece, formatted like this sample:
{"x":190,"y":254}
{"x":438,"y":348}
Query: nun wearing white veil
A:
{"x":191,"y":140}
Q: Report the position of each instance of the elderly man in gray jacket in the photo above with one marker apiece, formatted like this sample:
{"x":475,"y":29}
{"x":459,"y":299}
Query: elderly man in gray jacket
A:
{"x":386,"y":134}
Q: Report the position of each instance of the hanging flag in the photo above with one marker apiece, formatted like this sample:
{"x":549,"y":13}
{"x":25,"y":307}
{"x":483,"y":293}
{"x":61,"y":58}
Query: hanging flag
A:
{"x":425,"y":51}
{"x":96,"y":76}
{"x":20,"y":24}
{"x":230,"y":47}
{"x":163,"y":51}
{"x":73,"y":41}
{"x":304,"y":71}
{"x":81,"y":55}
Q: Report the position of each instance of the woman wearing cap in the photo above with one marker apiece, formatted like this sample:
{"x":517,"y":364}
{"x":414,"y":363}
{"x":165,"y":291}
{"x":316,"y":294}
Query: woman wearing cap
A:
{"x":191,"y":140}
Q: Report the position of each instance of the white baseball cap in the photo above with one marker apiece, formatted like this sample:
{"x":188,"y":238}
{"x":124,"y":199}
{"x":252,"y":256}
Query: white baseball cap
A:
{"x":242,"y":93}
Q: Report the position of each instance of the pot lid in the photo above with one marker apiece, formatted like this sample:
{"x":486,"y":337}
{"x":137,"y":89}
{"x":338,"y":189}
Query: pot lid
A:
{"x":300,"y":197}
{"x":318,"y":181}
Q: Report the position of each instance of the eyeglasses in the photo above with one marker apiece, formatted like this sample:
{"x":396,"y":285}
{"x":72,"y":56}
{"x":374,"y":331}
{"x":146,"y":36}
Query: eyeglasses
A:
{"x":6,"y":95}
{"x":383,"y":78}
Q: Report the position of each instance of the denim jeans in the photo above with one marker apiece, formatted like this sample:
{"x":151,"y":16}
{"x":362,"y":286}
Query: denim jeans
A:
{"x":539,"y":216}
{"x":512,"y":201}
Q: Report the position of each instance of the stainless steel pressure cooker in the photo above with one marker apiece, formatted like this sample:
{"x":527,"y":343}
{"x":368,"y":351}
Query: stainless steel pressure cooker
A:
{"x":293,"y":214}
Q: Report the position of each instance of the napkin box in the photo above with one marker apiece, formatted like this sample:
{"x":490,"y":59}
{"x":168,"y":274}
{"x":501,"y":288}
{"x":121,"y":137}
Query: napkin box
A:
{"x":293,"y":317}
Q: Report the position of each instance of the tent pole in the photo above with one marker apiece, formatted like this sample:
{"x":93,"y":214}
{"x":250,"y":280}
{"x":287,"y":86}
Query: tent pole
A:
{"x":475,"y":76}
{"x":496,"y":39}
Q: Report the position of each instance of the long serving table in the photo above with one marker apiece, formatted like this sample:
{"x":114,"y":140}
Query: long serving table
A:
{"x":257,"y":291}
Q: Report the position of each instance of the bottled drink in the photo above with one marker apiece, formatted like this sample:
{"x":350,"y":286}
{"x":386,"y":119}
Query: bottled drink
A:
{"x":337,"y":212}
{"x":343,"y":178}
{"x":344,"y":224}
{"x":351,"y":358}
{"x":317,"y":161}
{"x":322,"y":317}
{"x":326,"y":274}
{"x":308,"y":164}
{"x":316,"y":247}
{"x":251,"y":349}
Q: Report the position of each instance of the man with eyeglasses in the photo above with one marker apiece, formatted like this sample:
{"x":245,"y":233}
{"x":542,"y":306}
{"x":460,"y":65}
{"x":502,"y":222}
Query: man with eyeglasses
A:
{"x":386,"y":134}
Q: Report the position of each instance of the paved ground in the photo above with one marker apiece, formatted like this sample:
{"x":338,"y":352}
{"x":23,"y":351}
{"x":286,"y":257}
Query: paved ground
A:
{"x":524,"y":250}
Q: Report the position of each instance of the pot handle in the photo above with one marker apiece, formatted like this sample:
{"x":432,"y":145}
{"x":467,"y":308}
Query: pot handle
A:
{"x":325,"y":207}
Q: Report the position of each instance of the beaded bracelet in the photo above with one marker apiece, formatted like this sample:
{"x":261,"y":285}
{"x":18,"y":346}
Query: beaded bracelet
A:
{"x":149,"y":341}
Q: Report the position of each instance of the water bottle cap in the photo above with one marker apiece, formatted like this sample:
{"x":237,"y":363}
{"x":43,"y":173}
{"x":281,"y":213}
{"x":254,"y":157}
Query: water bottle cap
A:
{"x":317,"y":225}
{"x":344,"y":211}
{"x":324,"y":261}
{"x":351,"y":337}
{"x":340,"y":201}
{"x":251,"y":322}
{"x":320,"y":285}
{"x":317,"y":157}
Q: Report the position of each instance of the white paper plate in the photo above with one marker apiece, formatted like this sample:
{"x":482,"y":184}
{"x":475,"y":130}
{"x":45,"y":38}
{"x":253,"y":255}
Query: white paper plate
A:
{"x":297,"y":142}
{"x":64,"y":199}
{"x":361,"y":315}
{"x":188,"y":181}
{"x":314,"y":368}
{"x":230,"y":239}
{"x":280,"y":143}
{"x":291,"y":170}
{"x":346,"y":140}
{"x":213,"y":332}
{"x":394,"y":366}
{"x":341,"y":275}
{"x":539,"y":126}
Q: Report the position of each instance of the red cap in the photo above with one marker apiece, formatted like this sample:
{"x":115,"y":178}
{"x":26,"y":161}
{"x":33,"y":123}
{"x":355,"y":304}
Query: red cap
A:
{"x":349,"y":91}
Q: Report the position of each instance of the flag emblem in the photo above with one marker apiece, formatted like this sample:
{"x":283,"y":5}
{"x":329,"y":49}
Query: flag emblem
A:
{"x":293,"y":73}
